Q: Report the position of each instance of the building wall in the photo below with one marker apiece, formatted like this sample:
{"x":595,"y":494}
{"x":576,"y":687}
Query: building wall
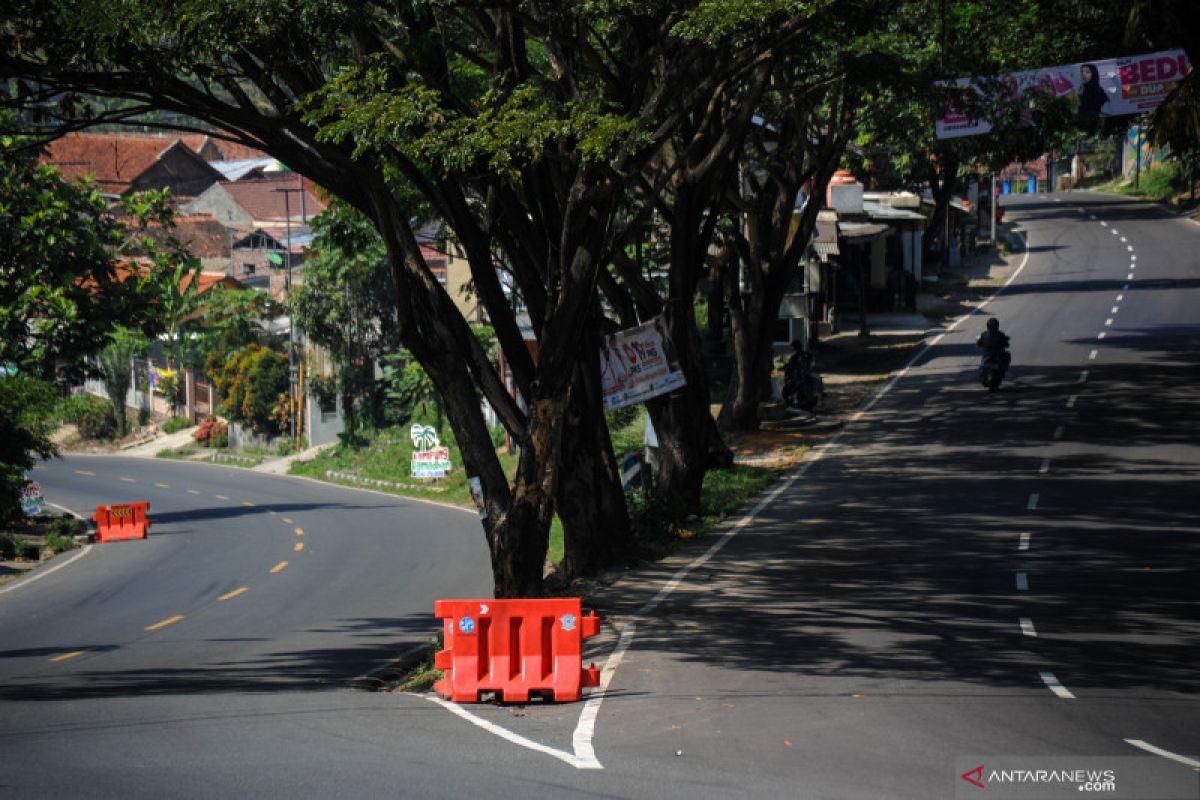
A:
{"x":217,"y":202}
{"x":184,"y":175}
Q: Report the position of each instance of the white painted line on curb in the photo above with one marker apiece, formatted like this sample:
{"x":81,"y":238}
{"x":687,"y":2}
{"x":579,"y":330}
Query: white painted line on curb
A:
{"x":1056,"y":687}
{"x":1158,"y":751}
{"x":1033,"y":501}
{"x":1022,"y":582}
{"x":1024,"y":543}
{"x":1027,"y":627}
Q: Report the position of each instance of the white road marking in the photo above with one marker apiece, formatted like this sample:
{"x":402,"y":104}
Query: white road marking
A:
{"x":1129,"y":277}
{"x":1126,"y":286}
{"x":44,"y":571}
{"x":1120,"y":297}
{"x":1133,"y":258}
{"x":1022,"y":582}
{"x":1092,"y":355}
{"x":1033,"y":501}
{"x":1108,"y":322}
{"x":1123,"y":239}
{"x":1071,"y":401}
{"x":1083,"y":376}
{"x":516,"y":738}
{"x":1115,"y":309}
{"x":1056,"y":687}
{"x":1045,"y":467}
{"x":1103,"y":224}
{"x":1115,"y":232}
{"x":1101,"y":334}
{"x":1023,"y":544}
{"x":1130,"y":247}
{"x":1027,"y":627}
{"x":1158,"y":751}
{"x":1058,"y":432}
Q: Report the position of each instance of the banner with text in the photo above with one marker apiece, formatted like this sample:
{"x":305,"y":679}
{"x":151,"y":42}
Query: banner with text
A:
{"x":1110,"y":88}
{"x":638,"y":363}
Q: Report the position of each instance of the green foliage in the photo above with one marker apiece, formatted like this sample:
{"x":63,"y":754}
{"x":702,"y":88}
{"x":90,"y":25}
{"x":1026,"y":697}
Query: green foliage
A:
{"x":1159,"y":183}
{"x":92,"y":416}
{"x":68,"y":526}
{"x":212,"y":432}
{"x":116,"y":370}
{"x":228,"y":321}
{"x":61,"y":291}
{"x":176,"y":424}
{"x":249,"y":384}
{"x":27,"y":416}
{"x":627,"y":428}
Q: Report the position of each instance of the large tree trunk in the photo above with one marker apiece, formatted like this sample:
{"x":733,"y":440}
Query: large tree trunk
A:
{"x":590,"y":501}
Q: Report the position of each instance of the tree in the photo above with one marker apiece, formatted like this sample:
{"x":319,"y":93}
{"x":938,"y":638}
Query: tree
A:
{"x":26,"y":422}
{"x":250,"y":383}
{"x":61,"y":288}
{"x":115,"y":365}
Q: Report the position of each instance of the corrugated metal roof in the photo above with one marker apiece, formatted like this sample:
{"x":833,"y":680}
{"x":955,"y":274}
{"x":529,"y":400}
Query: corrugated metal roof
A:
{"x":880,"y":211}
{"x":825,"y":250}
{"x":862,"y":231}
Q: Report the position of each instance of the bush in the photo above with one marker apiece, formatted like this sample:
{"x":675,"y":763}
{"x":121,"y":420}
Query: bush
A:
{"x":176,"y":424}
{"x":59,"y":543}
{"x":213,"y":432}
{"x":92,"y":415}
{"x":498,"y":436}
{"x":249,"y":383}
{"x":68,"y":527}
{"x":8,"y":547}
{"x":27,"y":417}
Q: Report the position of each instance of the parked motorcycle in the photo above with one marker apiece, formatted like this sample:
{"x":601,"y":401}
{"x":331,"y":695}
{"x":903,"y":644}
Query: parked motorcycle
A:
{"x":802,"y":386}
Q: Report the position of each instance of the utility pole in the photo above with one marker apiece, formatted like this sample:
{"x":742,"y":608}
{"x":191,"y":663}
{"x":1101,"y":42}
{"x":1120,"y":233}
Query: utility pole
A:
{"x":293,"y":367}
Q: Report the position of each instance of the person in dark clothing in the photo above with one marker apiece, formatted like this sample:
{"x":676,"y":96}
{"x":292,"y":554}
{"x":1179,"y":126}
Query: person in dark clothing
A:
{"x":995,"y":343}
{"x":1091,"y":96}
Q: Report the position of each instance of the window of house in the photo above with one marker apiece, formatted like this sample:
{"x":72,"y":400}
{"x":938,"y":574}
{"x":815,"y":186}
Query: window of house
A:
{"x":248,"y":269}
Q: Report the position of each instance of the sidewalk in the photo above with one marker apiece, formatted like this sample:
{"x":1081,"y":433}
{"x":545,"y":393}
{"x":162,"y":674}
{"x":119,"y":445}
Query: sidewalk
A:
{"x":281,"y":465}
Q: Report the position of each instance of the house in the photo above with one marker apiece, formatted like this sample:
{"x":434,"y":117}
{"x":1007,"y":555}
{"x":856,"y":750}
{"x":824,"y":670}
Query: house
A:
{"x":257,"y":202}
{"x":206,"y":239}
{"x":122,"y":164}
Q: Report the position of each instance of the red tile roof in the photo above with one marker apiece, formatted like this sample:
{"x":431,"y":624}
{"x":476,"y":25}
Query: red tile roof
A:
{"x":263,"y":198}
{"x":115,"y":159}
{"x":201,"y":234}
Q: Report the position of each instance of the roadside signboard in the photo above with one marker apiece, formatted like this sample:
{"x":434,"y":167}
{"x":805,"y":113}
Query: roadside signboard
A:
{"x":637,"y":364}
{"x":32,"y":501}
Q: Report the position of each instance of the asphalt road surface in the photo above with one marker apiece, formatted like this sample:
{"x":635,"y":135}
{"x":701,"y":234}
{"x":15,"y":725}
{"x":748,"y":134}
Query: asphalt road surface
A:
{"x":960,"y":578}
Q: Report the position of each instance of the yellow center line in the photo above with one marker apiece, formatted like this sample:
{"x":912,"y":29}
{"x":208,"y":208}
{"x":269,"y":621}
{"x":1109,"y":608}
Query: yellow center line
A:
{"x":220,"y":497}
{"x":87,"y":472}
{"x":299,"y":531}
{"x":247,"y":503}
{"x":278,"y":567}
{"x":233,"y":594}
{"x":129,"y":480}
{"x":299,"y":546}
{"x":65,"y":656}
{"x":192,"y":491}
{"x":288,"y":520}
{"x":164,"y":623}
{"x":163,"y":485}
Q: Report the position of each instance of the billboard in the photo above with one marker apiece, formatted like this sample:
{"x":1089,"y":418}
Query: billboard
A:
{"x":1110,"y":88}
{"x":637,"y":364}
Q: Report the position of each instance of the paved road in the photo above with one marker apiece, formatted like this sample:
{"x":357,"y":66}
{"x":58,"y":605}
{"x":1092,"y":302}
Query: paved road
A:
{"x":960,"y":574}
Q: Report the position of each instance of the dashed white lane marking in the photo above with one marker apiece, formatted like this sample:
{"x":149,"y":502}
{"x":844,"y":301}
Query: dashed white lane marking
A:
{"x":1027,"y":627}
{"x":1133,"y":258}
{"x":1023,"y":544}
{"x":1101,"y":334}
{"x":1103,"y":224}
{"x":1123,"y":240}
{"x":1058,"y":432}
{"x":1108,"y":322}
{"x":1083,"y":376}
{"x":1130,"y":247}
{"x":1092,"y":355}
{"x":1120,"y":297}
{"x":1045,"y":467}
{"x":1115,"y":309}
{"x":1126,"y":287}
{"x":1071,"y":401}
{"x":1033,"y":501}
{"x":1129,"y":277}
{"x":1056,"y":687}
{"x":1022,"y":582}
{"x":1158,"y":751}
{"x":1115,"y":232}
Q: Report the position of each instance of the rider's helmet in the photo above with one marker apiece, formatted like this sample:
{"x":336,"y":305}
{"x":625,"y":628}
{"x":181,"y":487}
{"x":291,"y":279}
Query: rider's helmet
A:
{"x":993,"y":324}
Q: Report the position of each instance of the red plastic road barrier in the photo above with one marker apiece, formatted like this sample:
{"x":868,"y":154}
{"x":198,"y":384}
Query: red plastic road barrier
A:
{"x":121,"y":521}
{"x":513,"y":648}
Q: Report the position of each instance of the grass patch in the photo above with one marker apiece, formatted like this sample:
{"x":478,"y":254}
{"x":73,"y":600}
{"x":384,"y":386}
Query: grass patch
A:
{"x":175,"y":424}
{"x":177,"y":455}
{"x":422,"y":676}
{"x":1160,"y":183}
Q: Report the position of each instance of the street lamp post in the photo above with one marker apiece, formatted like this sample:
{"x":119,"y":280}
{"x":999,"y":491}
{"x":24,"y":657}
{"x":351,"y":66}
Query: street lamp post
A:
{"x":293,"y":394}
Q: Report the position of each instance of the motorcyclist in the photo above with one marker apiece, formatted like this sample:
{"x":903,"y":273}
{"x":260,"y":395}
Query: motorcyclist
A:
{"x":995,"y":344}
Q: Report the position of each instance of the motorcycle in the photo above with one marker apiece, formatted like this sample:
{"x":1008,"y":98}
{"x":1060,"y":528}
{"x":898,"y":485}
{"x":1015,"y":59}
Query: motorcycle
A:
{"x":802,"y":387}
{"x":992,"y":369}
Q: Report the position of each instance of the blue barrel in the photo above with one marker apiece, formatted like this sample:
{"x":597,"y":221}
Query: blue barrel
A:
{"x":1032,"y":185}
{"x":1007,"y":187}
